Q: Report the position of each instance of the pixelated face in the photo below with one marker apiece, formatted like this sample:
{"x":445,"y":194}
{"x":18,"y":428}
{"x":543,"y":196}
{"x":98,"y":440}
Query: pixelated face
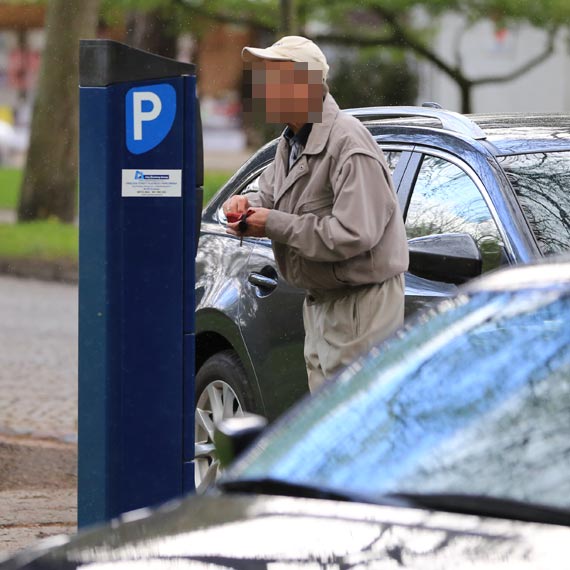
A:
{"x":283,"y":91}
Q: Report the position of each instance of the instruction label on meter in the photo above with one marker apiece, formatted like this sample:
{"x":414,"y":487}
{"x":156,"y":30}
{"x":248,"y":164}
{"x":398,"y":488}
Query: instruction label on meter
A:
{"x":151,"y":183}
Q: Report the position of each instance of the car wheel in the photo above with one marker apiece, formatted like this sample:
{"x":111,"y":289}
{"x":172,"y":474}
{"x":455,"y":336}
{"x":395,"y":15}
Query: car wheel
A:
{"x":221,"y":392}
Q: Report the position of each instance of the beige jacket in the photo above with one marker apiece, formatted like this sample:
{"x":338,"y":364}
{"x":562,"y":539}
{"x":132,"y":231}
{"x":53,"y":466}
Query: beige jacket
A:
{"x":335,"y":220}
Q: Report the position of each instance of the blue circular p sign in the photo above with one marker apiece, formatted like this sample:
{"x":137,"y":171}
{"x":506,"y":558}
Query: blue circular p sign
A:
{"x":150,"y":112}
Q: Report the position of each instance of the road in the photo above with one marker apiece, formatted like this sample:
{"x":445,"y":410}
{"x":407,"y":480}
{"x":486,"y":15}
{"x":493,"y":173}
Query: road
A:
{"x":38,"y":410}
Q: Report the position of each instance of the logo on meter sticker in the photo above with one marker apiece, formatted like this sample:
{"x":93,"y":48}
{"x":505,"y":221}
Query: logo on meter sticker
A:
{"x":150,"y":113}
{"x":139,"y":175}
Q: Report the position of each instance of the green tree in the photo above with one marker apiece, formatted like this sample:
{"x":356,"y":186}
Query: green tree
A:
{"x":373,"y":78}
{"x":50,"y":177}
{"x":150,"y":25}
{"x":390,"y":23}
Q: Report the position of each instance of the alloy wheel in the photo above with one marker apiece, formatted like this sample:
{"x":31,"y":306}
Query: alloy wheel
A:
{"x":217,"y":402}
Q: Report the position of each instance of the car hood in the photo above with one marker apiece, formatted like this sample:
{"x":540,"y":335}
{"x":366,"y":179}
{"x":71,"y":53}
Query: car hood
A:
{"x":263,"y":532}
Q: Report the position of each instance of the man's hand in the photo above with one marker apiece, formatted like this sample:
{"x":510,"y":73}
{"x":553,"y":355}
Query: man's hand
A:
{"x":236,"y":205}
{"x":255,"y":224}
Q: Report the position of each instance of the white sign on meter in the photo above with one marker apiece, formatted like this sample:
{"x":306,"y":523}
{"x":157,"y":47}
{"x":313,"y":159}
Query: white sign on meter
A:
{"x":150,"y":113}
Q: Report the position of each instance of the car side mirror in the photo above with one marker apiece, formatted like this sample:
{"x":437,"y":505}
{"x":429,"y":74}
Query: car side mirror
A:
{"x":451,"y":258}
{"x":233,"y":435}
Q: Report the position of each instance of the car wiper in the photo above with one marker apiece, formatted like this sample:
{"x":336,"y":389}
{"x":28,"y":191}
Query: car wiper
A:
{"x":269,"y":486}
{"x":483,"y":505}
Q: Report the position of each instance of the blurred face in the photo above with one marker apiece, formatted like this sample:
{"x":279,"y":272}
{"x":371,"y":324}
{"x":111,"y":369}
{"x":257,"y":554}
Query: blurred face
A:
{"x":284,"y":91}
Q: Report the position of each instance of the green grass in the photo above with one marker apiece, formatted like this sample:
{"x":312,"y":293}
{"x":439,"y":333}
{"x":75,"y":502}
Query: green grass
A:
{"x":39,"y":240}
{"x":213,"y":181}
{"x":10,"y":179}
{"x":54,"y":240}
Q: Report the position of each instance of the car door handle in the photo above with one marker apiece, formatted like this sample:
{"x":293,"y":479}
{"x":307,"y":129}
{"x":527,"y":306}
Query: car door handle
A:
{"x":259,"y":280}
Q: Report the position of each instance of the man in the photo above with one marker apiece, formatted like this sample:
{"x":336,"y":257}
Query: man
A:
{"x":329,"y":207}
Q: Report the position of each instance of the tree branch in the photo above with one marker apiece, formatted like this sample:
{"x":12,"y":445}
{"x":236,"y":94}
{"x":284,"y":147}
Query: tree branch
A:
{"x":399,"y":38}
{"x":224,"y":18}
{"x":548,"y":50}
{"x":404,"y":39}
{"x":359,"y":40}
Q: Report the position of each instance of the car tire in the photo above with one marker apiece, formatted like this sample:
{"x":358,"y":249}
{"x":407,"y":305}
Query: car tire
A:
{"x":221,"y":392}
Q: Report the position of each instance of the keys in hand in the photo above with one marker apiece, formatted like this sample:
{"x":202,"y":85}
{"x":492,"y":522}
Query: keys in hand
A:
{"x":233,"y":217}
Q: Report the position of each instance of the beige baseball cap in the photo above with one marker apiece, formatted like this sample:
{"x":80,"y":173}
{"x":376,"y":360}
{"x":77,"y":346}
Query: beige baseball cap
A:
{"x":290,"y":48}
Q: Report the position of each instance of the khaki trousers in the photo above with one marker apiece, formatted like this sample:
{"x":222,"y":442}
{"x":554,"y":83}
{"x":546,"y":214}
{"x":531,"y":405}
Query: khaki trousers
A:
{"x":339,"y":329}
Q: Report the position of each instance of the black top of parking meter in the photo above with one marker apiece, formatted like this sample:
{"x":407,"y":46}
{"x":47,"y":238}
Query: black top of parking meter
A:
{"x":104,"y":62}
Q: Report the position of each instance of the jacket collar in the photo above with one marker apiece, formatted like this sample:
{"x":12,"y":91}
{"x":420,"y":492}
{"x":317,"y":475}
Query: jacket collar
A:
{"x":300,"y":136}
{"x":321,"y":131}
{"x":315,"y":144}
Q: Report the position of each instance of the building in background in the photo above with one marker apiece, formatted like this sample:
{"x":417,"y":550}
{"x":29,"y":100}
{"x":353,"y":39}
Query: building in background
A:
{"x":21,"y":44}
{"x":220,"y":86}
{"x":489,"y":51}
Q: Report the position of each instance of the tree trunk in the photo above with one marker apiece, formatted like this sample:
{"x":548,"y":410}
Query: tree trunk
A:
{"x":288,"y":18}
{"x":149,"y":31}
{"x":466,"y":97}
{"x":50,"y":179}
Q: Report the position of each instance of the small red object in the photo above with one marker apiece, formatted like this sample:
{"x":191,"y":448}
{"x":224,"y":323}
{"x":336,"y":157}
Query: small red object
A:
{"x":234,"y":217}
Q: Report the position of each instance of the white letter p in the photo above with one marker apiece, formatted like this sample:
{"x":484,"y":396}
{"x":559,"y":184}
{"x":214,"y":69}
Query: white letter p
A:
{"x":140,"y":116}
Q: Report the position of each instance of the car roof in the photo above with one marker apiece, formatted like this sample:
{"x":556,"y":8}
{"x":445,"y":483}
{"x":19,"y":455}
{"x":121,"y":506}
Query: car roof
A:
{"x":507,"y":133}
{"x":516,"y":132}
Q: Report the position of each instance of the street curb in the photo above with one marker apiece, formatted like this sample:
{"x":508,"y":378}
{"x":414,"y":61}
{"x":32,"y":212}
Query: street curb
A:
{"x":60,"y":270}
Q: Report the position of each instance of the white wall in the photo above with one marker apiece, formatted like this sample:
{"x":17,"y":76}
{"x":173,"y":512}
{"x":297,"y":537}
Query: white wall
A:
{"x":545,"y":88}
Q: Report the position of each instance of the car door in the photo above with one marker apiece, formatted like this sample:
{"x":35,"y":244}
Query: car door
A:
{"x":445,"y":195}
{"x":271,"y":318}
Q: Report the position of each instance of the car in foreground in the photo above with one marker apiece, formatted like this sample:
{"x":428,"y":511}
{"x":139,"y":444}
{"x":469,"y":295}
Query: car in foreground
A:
{"x":477,"y":192}
{"x":447,"y":446}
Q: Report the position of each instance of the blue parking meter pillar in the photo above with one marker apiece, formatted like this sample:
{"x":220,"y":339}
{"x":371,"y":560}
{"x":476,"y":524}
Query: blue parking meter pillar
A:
{"x":140,"y":194}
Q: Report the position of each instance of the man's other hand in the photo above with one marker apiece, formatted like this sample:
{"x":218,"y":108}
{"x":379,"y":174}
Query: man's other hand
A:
{"x":236,"y":205}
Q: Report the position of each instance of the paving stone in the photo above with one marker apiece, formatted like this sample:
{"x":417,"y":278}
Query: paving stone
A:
{"x":38,"y":411}
{"x":38,"y":358}
{"x":30,"y":515}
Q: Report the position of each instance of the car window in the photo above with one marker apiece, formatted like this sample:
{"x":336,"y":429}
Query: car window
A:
{"x":442,"y":409}
{"x":251,"y":186}
{"x":446,"y":200}
{"x":541,"y":182}
{"x":392,"y":158}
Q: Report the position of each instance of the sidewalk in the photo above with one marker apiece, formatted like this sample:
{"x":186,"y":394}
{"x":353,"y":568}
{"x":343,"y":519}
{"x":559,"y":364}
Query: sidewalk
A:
{"x":37,"y":491}
{"x":38,"y":411}
{"x":226,"y":160}
{"x":7,"y":216}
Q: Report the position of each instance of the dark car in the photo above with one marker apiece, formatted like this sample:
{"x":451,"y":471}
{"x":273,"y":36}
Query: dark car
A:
{"x":476,"y":192}
{"x":446,"y":447}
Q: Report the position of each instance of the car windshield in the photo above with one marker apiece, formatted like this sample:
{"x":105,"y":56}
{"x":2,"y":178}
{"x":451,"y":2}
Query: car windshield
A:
{"x":474,"y":399}
{"x":541,"y":182}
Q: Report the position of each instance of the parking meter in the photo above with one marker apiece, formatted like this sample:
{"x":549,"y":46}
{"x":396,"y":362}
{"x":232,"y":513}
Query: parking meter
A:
{"x":141,"y":175}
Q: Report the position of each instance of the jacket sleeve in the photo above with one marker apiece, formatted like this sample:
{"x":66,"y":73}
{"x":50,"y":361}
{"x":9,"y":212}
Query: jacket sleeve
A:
{"x":263,"y":198}
{"x":363,"y":204}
